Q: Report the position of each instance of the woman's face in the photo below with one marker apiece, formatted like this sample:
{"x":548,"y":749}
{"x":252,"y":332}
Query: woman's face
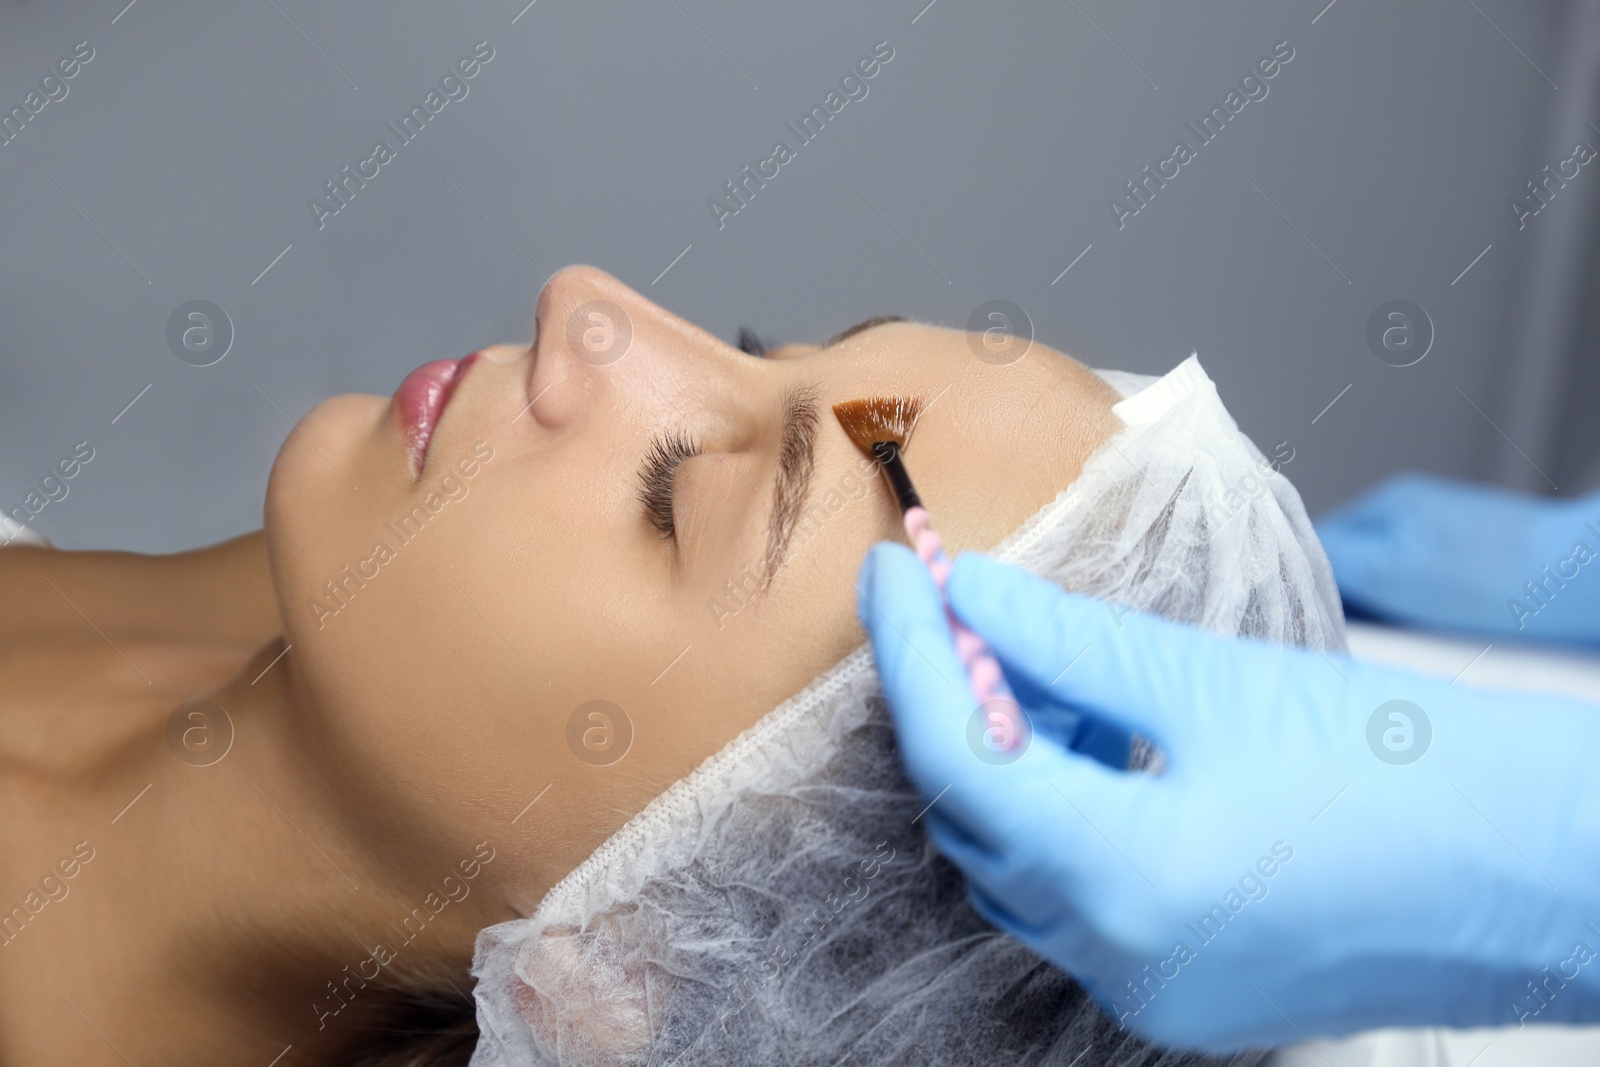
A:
{"x":616,"y":550}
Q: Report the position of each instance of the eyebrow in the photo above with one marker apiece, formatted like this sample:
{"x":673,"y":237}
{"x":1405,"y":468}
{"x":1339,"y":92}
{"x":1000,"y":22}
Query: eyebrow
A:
{"x":796,"y":462}
{"x":850,"y":331}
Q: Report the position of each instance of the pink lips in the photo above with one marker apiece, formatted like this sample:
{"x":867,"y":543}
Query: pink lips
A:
{"x":420,"y":401}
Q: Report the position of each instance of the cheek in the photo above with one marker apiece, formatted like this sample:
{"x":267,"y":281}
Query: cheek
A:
{"x":435,"y":681}
{"x":717,"y":506}
{"x":806,"y":620}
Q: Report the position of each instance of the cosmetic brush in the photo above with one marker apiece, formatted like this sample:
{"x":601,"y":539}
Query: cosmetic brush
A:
{"x":880,"y":427}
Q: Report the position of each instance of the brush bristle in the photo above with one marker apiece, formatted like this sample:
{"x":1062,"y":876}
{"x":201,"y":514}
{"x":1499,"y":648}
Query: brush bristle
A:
{"x":878,"y":418}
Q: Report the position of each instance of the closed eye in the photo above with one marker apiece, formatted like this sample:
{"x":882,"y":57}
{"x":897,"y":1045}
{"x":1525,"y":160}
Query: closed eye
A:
{"x":661,"y":460}
{"x":850,"y":331}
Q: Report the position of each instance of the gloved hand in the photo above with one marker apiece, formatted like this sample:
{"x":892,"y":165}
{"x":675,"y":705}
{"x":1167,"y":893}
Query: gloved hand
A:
{"x":1457,"y":556}
{"x":1314,"y":859}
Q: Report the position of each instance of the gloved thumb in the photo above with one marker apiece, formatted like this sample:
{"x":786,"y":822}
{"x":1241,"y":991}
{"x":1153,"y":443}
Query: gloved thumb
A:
{"x":993,"y":805}
{"x":1106,"y":660}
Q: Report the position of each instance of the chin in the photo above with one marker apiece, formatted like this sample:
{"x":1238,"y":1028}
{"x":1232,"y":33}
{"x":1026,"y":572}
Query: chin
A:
{"x":310,"y":504}
{"x":343,"y":432}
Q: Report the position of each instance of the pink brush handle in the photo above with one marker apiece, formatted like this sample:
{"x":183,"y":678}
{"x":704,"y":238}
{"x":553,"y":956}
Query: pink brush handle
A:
{"x":1007,"y":729}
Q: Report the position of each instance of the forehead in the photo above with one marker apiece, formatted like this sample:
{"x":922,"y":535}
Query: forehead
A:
{"x":897,"y":340}
{"x":907,"y":354}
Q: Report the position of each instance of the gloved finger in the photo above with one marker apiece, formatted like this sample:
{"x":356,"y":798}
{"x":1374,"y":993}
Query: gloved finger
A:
{"x":997,"y":806}
{"x":1058,"y":829}
{"x":1143,"y":673}
{"x":1377,"y":543}
{"x":922,"y":678}
{"x":1071,"y":943}
{"x":1046,"y":886}
{"x":1069,"y":726}
{"x":1362,"y":537}
{"x":1396,"y":497}
{"x":1378,"y":523}
{"x":1359,"y":559}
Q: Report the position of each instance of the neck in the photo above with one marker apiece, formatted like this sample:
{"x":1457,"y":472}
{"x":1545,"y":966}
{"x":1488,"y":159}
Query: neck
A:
{"x":243,"y":888}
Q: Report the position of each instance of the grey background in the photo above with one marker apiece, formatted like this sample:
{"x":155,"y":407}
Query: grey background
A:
{"x":982,"y":161}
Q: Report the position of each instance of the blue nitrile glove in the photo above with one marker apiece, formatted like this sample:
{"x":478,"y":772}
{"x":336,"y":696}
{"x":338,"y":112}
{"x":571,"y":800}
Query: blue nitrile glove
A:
{"x":1452,"y":555}
{"x":1315,"y":859}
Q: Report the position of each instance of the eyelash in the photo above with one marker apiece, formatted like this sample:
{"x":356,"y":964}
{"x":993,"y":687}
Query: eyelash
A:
{"x":661,"y":460}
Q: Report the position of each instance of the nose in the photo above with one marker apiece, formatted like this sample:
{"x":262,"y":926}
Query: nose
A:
{"x":595,"y":335}
{"x":562,"y":384}
{"x":567,"y":288}
{"x":588,"y":309}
